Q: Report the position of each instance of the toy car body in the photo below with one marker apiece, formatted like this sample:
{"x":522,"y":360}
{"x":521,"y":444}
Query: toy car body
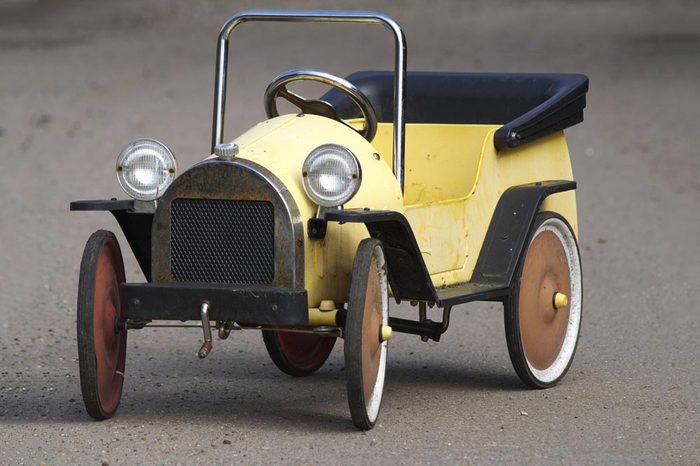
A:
{"x":459,"y":188}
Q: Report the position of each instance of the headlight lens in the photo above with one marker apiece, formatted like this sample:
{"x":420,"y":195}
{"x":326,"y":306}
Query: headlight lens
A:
{"x":145,"y":169}
{"x":331,"y":175}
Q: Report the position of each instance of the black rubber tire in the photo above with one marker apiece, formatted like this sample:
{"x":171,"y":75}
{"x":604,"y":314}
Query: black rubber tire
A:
{"x":356,"y":335}
{"x":319,"y":347}
{"x":87,"y":353}
{"x":514,"y":338}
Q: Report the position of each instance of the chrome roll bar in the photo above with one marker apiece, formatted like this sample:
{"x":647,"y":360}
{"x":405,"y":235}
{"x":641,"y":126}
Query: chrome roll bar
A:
{"x":316,"y":16}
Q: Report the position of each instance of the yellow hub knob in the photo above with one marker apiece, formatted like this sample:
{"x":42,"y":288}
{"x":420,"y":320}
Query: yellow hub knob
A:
{"x":386,"y":333}
{"x":327,"y":305}
{"x":560,"y":300}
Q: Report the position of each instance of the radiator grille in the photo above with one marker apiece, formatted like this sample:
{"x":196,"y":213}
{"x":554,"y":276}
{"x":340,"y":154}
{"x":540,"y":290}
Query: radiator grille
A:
{"x":222,"y":241}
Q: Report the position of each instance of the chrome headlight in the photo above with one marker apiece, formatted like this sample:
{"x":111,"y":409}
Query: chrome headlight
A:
{"x":145,"y":169}
{"x":331,"y":175}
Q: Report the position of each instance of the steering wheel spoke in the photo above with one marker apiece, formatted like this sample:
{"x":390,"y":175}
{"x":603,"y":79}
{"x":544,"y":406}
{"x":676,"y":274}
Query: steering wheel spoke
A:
{"x":278,"y":88}
{"x":294,"y":99}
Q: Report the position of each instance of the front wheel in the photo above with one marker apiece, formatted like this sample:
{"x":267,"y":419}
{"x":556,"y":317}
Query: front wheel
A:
{"x":365,"y":348}
{"x":543,"y":314}
{"x":101,"y":344}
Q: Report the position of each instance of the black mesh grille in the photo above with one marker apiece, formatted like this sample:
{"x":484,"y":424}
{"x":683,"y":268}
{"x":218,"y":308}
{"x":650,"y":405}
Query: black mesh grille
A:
{"x":222,"y":241}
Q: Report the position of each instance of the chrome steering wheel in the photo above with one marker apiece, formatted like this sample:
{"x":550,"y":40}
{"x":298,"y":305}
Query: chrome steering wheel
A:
{"x":278,"y":88}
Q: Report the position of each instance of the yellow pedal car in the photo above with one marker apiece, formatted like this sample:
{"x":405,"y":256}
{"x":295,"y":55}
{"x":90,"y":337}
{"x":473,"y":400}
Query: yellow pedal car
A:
{"x":436,"y":189}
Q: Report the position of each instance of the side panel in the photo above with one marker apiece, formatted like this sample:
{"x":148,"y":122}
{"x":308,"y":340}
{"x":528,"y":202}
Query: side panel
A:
{"x":442,"y":161}
{"x":544,"y":159}
{"x":442,"y":165}
{"x":453,"y":187}
{"x":442,"y":231}
{"x":508,"y":231}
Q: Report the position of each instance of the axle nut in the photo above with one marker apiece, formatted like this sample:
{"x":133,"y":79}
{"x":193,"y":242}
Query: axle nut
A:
{"x":560,"y":300}
{"x":386,"y":333}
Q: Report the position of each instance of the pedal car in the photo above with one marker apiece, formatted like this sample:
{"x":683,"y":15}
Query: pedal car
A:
{"x":436,"y":189}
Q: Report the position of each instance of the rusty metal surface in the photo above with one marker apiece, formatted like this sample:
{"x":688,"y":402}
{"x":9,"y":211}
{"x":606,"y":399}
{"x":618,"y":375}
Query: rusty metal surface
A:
{"x":110,"y":347}
{"x":236,"y":180}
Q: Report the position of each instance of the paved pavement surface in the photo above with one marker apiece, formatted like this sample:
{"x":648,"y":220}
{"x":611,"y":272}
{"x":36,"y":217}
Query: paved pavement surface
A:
{"x":80,"y":79}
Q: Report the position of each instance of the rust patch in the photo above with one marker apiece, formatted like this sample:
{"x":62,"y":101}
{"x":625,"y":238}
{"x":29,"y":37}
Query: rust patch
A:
{"x":110,"y":346}
{"x":237,"y":180}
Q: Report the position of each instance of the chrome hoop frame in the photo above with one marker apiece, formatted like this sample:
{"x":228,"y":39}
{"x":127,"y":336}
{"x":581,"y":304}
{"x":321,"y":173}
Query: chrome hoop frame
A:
{"x":316,"y":16}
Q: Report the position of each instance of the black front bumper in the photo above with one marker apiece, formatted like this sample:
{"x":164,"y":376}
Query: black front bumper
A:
{"x":244,"y":304}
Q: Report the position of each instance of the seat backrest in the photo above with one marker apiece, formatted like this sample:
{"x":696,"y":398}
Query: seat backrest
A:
{"x":528,"y":105}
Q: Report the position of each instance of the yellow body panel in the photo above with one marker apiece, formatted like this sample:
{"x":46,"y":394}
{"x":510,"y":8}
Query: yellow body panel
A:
{"x":281,"y":145}
{"x":454,"y":179}
{"x":545,"y":159}
{"x":434,"y":154}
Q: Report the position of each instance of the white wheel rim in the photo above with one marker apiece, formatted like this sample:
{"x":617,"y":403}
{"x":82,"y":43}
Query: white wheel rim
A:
{"x":375,"y":400}
{"x":561,"y":363}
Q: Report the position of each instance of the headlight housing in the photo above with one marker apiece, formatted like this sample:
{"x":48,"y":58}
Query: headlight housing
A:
{"x":331,"y":175}
{"x":145,"y":169}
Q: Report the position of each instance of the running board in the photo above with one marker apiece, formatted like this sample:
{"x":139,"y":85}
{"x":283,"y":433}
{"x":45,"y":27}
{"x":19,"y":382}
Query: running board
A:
{"x":469,"y":292}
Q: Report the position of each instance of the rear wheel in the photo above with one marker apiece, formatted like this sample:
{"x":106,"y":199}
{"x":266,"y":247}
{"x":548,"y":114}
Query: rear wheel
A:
{"x":543,"y":315}
{"x":101,"y":346}
{"x":297,"y":354}
{"x":365,"y":349}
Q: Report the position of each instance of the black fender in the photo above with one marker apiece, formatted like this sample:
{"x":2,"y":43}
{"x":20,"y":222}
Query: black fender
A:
{"x":510,"y":229}
{"x":500,"y":253}
{"x":135,"y":224}
{"x":406,"y":270}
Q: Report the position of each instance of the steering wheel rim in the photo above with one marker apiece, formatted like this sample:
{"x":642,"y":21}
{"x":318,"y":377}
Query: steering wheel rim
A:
{"x":278,"y":88}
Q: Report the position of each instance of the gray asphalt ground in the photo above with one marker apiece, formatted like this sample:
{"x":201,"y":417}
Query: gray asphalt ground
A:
{"x":80,"y":79}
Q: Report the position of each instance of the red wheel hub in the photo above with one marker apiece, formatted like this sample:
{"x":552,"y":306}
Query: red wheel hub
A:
{"x":304,"y":351}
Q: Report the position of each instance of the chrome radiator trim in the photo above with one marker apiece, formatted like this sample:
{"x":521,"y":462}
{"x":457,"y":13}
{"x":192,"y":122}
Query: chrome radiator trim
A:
{"x":237,"y":180}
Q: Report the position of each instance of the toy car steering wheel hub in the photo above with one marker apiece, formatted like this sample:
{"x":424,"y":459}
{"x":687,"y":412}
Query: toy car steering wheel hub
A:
{"x":278,"y":88}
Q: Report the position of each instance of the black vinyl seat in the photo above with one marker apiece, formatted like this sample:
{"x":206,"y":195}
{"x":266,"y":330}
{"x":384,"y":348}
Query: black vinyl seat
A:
{"x":529,"y":106}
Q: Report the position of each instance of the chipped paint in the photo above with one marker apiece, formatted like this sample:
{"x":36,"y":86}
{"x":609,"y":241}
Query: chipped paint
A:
{"x":454,"y":178}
